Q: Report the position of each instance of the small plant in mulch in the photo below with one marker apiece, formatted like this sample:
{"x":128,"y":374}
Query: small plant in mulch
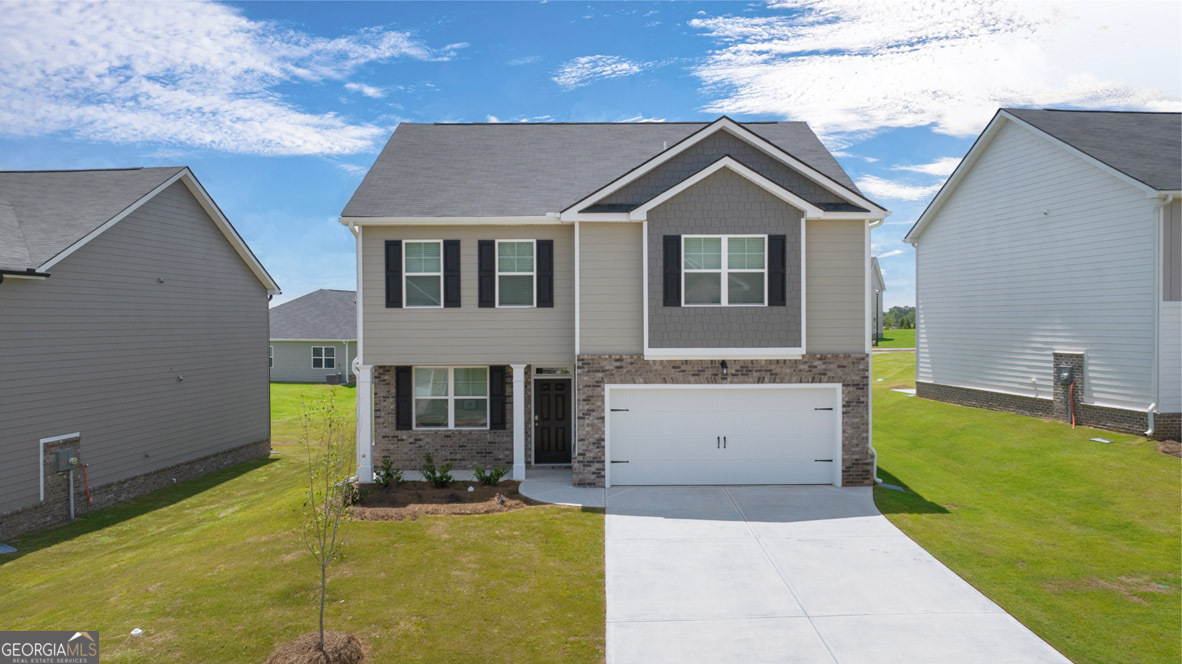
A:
{"x":339,"y":648}
{"x":489,"y":477}
{"x":439,"y":476}
{"x":387,"y":475}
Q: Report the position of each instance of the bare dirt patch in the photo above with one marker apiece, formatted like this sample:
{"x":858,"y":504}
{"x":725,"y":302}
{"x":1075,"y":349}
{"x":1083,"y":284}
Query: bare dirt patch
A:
{"x":1170,"y":447}
{"x":410,"y":500}
{"x":339,"y":648}
{"x":1125,"y":586}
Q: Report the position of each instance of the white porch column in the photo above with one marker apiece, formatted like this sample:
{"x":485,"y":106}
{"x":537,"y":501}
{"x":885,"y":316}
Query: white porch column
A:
{"x":518,"y":421}
{"x":364,"y":422}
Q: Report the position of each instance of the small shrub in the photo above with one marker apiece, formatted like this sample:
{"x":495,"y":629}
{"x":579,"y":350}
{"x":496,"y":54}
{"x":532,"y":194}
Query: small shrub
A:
{"x":439,"y":476}
{"x":387,"y":475}
{"x":490,"y":477}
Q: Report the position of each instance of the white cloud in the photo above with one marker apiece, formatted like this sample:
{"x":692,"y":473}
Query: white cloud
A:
{"x":367,"y":90}
{"x":942,"y":167}
{"x":192,"y":74}
{"x":893,"y":252}
{"x":590,"y":68}
{"x":524,"y":60}
{"x":491,"y":118}
{"x":642,"y":119}
{"x":852,"y":67}
{"x":878,"y":187}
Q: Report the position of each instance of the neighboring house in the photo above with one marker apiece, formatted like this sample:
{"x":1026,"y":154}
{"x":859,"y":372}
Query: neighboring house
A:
{"x":133,"y":320}
{"x":313,"y":336}
{"x":649,"y":303}
{"x":1057,"y":243}
{"x":877,"y":287}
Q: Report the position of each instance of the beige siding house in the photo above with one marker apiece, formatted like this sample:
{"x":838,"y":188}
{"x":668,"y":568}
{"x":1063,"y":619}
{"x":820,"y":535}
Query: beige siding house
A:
{"x":674,"y":303}
{"x":134,"y":322}
{"x":1063,"y":225}
{"x":314,"y":338}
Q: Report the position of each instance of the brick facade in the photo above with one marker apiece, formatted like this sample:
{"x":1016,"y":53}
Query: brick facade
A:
{"x":56,"y":507}
{"x":852,"y":371}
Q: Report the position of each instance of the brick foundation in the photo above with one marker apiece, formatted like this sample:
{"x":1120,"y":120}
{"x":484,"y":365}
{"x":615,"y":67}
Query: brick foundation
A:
{"x":851,"y":371}
{"x":56,"y":507}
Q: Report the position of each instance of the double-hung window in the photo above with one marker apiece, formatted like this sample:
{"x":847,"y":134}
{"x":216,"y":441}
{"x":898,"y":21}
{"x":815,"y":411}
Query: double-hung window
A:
{"x":324,"y":357}
{"x":270,"y":357}
{"x":451,"y":397}
{"x":423,"y":273}
{"x":724,"y":270}
{"x":515,"y":273}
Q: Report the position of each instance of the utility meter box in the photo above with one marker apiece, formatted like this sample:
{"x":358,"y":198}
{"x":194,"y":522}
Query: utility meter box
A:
{"x":64,"y":459}
{"x":1065,"y":375}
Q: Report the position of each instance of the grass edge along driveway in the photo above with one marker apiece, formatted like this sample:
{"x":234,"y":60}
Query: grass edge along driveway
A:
{"x":1078,"y":540}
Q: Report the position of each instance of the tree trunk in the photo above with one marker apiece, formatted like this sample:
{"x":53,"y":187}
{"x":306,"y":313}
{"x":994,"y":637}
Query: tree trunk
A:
{"x":323,"y":583}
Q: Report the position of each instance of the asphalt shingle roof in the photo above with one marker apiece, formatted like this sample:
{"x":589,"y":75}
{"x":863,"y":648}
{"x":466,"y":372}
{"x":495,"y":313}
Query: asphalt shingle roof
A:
{"x":1145,"y":146}
{"x":493,"y":170}
{"x":323,"y":315}
{"x":44,"y":212}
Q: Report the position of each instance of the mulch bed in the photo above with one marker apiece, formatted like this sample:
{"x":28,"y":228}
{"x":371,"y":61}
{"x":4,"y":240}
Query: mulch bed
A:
{"x":410,"y":500}
{"x":339,"y":648}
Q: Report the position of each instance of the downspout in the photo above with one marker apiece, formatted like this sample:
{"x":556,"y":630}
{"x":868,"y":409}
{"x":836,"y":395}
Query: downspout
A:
{"x":870,"y":358}
{"x":1155,"y":380}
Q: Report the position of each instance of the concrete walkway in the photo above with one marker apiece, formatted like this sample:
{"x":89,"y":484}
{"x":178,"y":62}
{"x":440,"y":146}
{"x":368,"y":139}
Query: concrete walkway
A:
{"x":553,"y":485}
{"x":788,"y":574}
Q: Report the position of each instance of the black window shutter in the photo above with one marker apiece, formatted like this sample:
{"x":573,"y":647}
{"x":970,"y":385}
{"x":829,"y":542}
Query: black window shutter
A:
{"x":451,"y":273}
{"x":545,"y":279}
{"x":394,"y":274}
{"x":486,"y":251}
{"x":672,"y":270}
{"x":777,"y":270}
{"x":496,"y":398}
{"x":403,"y":398}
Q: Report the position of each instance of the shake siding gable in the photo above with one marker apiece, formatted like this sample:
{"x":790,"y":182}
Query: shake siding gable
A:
{"x":1038,"y":251}
{"x":99,"y":346}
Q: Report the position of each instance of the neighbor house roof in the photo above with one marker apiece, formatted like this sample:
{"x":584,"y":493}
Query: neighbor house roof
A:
{"x":45,"y":215}
{"x":323,"y":315}
{"x":1145,"y":146}
{"x":508,"y":170}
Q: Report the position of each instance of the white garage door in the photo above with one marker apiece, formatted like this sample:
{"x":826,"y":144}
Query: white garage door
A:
{"x":723,"y":435}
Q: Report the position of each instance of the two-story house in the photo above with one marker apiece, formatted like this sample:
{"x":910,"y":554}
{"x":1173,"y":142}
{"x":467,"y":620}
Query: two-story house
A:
{"x":676,"y":303}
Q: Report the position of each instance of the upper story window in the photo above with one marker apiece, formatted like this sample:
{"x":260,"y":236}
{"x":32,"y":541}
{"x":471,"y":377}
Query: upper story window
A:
{"x":451,"y":397}
{"x":515,"y":273}
{"x":724,"y":270}
{"x":270,"y":357}
{"x":324,"y":357}
{"x":423,"y":274}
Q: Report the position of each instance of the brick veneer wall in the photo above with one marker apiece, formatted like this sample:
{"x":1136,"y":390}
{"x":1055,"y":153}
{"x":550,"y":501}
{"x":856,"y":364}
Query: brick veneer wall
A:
{"x":56,"y":507}
{"x":1167,"y":426}
{"x":852,"y":371}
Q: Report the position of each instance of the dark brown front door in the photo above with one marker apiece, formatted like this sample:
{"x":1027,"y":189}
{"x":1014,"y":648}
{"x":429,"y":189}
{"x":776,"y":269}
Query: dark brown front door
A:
{"x":552,"y":420}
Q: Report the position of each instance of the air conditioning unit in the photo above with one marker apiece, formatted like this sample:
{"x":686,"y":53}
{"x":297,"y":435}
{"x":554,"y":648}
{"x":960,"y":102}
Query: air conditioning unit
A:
{"x":333,"y":379}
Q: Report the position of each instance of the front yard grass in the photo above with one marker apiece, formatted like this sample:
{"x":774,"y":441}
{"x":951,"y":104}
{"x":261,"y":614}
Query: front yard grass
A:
{"x":897,"y":338}
{"x":215,"y":570}
{"x":1078,"y":540}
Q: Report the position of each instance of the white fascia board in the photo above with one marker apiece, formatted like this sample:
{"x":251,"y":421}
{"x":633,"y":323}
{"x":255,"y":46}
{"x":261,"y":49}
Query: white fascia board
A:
{"x":452,"y":221}
{"x":596,"y":216}
{"x":741,"y":132}
{"x":776,"y":190}
{"x":723,"y":353}
{"x":319,"y":341}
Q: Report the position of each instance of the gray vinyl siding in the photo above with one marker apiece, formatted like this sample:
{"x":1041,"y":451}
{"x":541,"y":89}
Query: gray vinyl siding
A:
{"x":98,"y":347}
{"x":1172,"y":252}
{"x":724,"y":203}
{"x":611,"y":302}
{"x":835,"y":286}
{"x":293,"y":361}
{"x":467,"y":334}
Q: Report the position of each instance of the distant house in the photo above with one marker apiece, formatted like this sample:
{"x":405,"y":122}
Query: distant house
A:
{"x":133,"y":318}
{"x":1057,"y":243}
{"x":313,"y":336}
{"x":877,"y":286}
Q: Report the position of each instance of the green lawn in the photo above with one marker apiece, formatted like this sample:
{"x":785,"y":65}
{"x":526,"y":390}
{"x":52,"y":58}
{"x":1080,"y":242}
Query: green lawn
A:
{"x":214,"y":570}
{"x":1078,"y":540}
{"x":897,"y":339}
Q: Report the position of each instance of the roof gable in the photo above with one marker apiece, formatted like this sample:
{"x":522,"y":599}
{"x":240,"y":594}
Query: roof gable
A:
{"x":322,"y":315}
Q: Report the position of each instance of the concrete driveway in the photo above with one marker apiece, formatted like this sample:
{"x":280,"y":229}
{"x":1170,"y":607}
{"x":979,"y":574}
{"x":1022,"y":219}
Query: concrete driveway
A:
{"x":788,"y":574}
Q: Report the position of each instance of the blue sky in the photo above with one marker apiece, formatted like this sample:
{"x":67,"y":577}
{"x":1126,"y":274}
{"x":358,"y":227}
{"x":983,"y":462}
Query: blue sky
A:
{"x":280,"y":107}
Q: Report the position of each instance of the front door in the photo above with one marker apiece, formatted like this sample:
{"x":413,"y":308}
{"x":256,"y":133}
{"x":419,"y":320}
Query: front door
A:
{"x":552,"y":420}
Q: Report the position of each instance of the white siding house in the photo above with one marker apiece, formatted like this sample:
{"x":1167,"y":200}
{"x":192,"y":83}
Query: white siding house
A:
{"x":1037,"y":249}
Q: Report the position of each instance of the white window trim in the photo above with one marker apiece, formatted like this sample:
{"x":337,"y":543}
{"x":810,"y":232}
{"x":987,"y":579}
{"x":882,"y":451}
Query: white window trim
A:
{"x":451,"y":399}
{"x":407,"y":273}
{"x":724,"y":270}
{"x":323,"y":357}
{"x":533,"y":291}
{"x":270,"y":357}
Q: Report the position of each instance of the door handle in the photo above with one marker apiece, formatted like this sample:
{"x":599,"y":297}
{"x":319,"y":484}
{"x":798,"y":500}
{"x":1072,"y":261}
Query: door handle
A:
{"x":718,"y":442}
{"x":724,"y":442}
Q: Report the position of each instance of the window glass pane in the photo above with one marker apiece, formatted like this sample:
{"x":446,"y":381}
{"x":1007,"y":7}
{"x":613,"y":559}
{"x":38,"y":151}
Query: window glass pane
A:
{"x":330,"y":351}
{"x":516,"y":291}
{"x":317,"y":351}
{"x":515,"y":256}
{"x":430,"y":382}
{"x":744,"y":288}
{"x":745,"y":253}
{"x":703,"y":253}
{"x":317,"y":363}
{"x":330,"y":363}
{"x":431,"y":412}
{"x":471,"y":412}
{"x":471,"y":382}
{"x":422,"y":291}
{"x":703,"y":288}
{"x":422,"y":256}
